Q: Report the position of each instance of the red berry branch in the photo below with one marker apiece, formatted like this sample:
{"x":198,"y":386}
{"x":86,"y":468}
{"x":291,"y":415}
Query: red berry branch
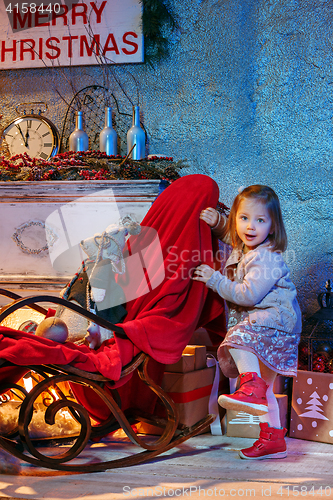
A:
{"x":87,"y":165}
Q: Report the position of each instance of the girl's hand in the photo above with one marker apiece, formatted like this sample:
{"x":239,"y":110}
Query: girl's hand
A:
{"x":210,"y":215}
{"x":203,"y":273}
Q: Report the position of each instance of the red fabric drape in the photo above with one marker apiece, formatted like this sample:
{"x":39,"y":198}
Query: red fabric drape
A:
{"x":174,"y":308}
{"x":165,"y":305}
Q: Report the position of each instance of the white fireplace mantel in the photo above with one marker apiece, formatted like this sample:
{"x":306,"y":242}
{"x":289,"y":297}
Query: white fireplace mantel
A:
{"x":30,"y":209}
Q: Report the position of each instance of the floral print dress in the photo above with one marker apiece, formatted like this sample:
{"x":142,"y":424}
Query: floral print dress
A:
{"x":276,"y":349}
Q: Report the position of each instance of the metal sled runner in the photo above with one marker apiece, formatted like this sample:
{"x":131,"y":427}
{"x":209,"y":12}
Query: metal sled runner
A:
{"x":51,"y":378}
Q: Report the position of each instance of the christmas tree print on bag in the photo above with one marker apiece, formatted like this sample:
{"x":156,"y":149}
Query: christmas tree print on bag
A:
{"x":313,"y":407}
{"x":311,"y":415}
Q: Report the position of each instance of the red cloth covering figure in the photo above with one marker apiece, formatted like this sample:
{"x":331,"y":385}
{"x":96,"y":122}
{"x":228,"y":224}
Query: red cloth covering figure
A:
{"x":167,"y":305}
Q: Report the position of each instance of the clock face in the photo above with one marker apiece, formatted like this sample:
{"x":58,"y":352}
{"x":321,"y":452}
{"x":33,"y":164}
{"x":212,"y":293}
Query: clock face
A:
{"x":33,"y":135}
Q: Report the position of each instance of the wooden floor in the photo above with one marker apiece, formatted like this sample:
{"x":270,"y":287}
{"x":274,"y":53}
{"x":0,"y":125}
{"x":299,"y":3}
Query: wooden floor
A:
{"x":204,"y":467}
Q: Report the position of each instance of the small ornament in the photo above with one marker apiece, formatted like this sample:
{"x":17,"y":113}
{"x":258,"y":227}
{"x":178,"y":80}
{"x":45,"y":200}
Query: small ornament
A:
{"x":324,"y":348}
{"x":320,"y":358}
{"x":330,"y":366}
{"x":28,"y":326}
{"x":320,"y":362}
{"x":136,"y":137}
{"x":108,"y":136}
{"x":53,"y":329}
{"x":79,"y":140}
{"x":318,"y":366}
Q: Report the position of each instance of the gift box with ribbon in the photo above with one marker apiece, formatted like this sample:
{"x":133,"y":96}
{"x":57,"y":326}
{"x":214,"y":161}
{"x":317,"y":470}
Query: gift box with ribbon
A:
{"x":191,"y":392}
{"x":194,"y":392}
{"x":193,"y":358}
{"x":184,"y":365}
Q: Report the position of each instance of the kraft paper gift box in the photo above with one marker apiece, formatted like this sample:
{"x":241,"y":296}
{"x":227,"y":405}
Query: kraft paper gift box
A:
{"x":190,"y":392}
{"x":241,"y":424}
{"x":311,"y":416}
{"x":200,"y":355}
{"x":184,"y":365}
{"x":193,"y":358}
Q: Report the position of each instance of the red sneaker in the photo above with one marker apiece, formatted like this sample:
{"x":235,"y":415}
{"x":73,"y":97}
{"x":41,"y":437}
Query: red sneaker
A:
{"x":271,"y":444}
{"x":250,"y":397}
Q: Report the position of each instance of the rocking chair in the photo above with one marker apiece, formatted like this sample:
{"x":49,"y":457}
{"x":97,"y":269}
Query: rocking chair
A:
{"x":50,"y":378}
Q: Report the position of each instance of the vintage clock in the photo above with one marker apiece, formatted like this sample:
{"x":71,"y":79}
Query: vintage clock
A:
{"x":32,"y":134}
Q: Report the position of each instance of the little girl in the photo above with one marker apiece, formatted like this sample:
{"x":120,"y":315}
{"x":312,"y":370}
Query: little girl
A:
{"x":264,"y":316}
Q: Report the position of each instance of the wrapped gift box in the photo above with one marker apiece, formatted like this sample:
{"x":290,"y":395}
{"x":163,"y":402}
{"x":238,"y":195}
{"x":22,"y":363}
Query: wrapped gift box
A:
{"x":189,"y":383}
{"x":193,"y":358}
{"x":184,"y":365}
{"x":311,"y":415}
{"x":191,"y":392}
{"x":241,"y":424}
{"x":200,"y":354}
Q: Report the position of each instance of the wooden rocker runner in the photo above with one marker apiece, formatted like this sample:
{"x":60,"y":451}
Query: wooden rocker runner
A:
{"x":19,"y":444}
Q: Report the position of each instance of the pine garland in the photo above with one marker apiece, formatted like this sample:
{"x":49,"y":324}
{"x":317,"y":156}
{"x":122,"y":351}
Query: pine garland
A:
{"x":87,"y":165}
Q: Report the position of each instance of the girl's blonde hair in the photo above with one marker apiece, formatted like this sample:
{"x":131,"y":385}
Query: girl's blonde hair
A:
{"x":266,"y":196}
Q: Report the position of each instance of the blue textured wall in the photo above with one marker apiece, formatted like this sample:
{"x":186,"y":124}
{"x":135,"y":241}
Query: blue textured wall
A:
{"x":245,"y":97}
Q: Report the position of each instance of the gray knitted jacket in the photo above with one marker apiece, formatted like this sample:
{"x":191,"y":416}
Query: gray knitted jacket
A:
{"x":259,"y":281}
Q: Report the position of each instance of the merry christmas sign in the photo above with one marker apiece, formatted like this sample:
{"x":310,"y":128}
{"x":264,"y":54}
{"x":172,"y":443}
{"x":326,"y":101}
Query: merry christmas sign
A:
{"x":312,"y":407}
{"x":69,"y":33}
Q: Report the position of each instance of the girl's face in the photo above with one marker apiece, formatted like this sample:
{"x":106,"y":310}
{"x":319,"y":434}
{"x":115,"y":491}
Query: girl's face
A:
{"x":253,"y":223}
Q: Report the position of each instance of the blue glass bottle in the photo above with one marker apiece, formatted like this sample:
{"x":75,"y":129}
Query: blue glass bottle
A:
{"x":79,"y":140}
{"x":136,"y":137}
{"x":108,"y":136}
